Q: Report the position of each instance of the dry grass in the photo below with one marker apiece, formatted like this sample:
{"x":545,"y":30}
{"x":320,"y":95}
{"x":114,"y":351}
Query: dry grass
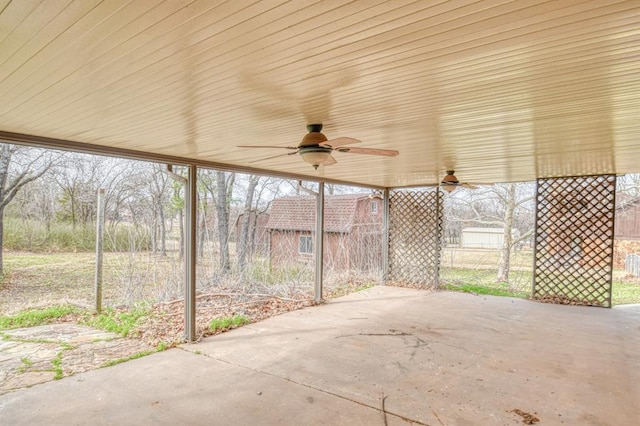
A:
{"x":37,"y":279}
{"x":484,"y":258}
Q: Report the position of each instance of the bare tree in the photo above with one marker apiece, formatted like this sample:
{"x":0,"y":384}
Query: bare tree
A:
{"x":504,"y":264}
{"x":243,"y":242}
{"x":629,"y":185}
{"x":78,"y":181}
{"x":18,"y":167}
{"x":159,"y":189}
{"x":508,"y":206}
{"x":37,"y":201}
{"x":224,"y":192}
{"x":219,"y":186}
{"x":177,"y":205}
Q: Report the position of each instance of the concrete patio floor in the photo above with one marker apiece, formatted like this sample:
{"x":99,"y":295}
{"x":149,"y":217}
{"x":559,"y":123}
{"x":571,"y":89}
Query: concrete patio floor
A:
{"x":429,"y":358}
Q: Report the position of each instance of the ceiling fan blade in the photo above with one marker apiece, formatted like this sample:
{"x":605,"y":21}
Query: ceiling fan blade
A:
{"x":329,"y":161}
{"x":273,"y":156}
{"x":267,"y":146}
{"x":468,"y":186}
{"x":334,"y":143}
{"x":369,"y":151}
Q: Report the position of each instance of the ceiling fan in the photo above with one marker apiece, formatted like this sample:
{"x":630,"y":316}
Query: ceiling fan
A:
{"x":316,"y":149}
{"x":451,"y":182}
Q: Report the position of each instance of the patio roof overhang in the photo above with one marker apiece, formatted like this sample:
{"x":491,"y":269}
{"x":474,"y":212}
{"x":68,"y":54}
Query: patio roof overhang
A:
{"x":497,"y":90}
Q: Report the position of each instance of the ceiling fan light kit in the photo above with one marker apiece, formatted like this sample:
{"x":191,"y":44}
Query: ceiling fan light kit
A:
{"x":315,"y":155}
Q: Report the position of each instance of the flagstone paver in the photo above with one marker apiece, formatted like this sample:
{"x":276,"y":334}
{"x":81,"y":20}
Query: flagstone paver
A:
{"x":34,"y":355}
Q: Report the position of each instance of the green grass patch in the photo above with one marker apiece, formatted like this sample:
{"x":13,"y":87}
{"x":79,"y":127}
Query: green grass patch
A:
{"x":125,"y":359}
{"x":26,"y":364}
{"x":34,"y":317}
{"x":483,"y":281}
{"x":218,"y":324}
{"x":479,"y":289}
{"x":57,"y":366}
{"x":64,"y":345}
{"x":624,"y":293}
{"x":162,"y":346}
{"x":117,"y":321}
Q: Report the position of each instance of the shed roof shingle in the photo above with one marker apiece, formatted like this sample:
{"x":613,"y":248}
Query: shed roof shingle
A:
{"x":299,"y":213}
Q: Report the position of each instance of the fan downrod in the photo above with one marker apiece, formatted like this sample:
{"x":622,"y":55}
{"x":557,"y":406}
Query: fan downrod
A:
{"x":314,"y":128}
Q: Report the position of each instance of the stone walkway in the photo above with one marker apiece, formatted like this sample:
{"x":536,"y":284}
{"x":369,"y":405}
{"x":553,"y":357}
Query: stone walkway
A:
{"x":33,"y":355}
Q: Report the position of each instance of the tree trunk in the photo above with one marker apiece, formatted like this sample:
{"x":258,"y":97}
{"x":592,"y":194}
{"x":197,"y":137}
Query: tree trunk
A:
{"x":163,"y":231}
{"x":1,"y":241}
{"x":507,"y":241}
{"x":222,"y":210}
{"x":243,"y":243}
{"x":10,"y":187}
{"x":73,"y":211}
{"x":181,"y":244}
{"x":330,"y":188}
{"x":202,"y":226}
{"x":154,"y":233}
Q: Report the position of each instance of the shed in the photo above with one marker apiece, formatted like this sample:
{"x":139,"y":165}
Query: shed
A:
{"x":627,"y":223}
{"x":353,"y":230}
{"x":484,"y":237}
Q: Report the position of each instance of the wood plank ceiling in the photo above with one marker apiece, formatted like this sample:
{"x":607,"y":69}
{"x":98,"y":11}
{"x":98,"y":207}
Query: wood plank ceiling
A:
{"x":497,"y":90}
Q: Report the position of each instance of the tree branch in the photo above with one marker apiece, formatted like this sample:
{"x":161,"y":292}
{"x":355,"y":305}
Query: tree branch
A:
{"x":18,"y":183}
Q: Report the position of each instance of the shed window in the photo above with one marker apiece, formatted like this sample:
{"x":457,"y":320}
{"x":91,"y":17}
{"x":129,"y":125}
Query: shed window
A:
{"x":306,"y":244}
{"x":374,"y":207}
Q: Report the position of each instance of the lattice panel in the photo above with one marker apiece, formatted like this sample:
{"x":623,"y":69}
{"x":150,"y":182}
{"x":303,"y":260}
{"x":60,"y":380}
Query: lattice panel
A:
{"x":574,"y":240}
{"x":415,"y":236}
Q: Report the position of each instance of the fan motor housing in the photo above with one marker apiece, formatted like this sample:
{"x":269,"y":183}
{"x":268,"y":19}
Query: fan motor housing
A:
{"x":313,"y":138}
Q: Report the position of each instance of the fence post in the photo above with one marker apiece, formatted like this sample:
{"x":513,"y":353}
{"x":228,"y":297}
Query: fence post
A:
{"x":99,"y":250}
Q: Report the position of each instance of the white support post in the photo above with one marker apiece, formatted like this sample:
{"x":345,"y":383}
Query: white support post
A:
{"x":319,"y":243}
{"x":190,"y":255}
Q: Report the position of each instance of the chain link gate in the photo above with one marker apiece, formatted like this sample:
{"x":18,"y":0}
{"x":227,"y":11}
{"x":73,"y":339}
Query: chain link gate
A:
{"x":574,"y":240}
{"x":415,"y":237}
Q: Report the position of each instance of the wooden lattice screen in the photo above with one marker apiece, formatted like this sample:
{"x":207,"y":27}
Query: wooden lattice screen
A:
{"x":574,"y":240}
{"x":415,"y":236}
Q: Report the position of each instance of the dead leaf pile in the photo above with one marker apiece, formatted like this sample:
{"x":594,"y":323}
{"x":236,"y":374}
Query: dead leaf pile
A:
{"x":165,"y":324}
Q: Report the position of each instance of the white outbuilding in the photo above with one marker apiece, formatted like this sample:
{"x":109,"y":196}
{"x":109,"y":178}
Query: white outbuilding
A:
{"x":491,"y":238}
